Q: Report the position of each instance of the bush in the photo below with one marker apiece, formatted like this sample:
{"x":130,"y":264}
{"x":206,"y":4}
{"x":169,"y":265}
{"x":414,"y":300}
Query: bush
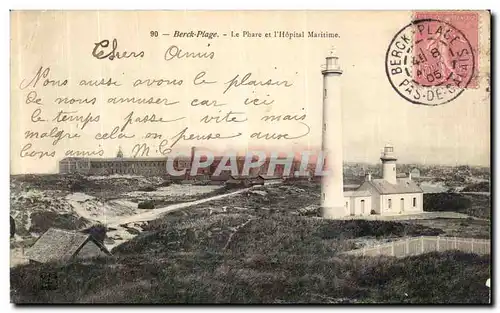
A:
{"x":42,"y":221}
{"x":97,"y":231}
{"x":446,"y":202}
{"x":146,"y":205}
{"x":12,"y":227}
{"x":77,"y":187}
{"x":165,"y":184}
{"x":479,"y":187}
{"x":147,"y":189}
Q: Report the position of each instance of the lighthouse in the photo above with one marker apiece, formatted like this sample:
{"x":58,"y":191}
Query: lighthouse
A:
{"x":332,"y":185}
{"x":389,"y":164}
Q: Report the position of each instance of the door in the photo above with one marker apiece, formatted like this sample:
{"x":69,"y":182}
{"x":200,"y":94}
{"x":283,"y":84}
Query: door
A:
{"x":402,"y":206}
{"x":362,"y":207}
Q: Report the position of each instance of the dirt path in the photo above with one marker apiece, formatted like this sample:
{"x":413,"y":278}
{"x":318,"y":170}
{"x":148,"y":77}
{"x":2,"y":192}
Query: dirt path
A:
{"x":150,"y":215}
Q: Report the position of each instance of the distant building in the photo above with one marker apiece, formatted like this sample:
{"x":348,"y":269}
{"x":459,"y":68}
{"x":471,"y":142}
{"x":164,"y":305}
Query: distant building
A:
{"x":121,"y":165}
{"x":270,"y":180}
{"x":157,"y":166}
{"x":57,"y":245}
{"x":392,"y":195}
{"x":415,"y":173}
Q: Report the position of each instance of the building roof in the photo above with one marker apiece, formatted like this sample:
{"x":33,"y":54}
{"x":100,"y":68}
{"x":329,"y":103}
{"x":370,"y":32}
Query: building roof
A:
{"x":269,"y":177}
{"x":114,"y":159}
{"x":60,"y":245}
{"x":357,"y":193}
{"x":404,"y":185}
{"x":238,"y":177}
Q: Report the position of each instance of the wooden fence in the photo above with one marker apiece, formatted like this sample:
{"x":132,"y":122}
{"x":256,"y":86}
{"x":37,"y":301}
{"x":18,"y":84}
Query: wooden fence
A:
{"x":424,"y":244}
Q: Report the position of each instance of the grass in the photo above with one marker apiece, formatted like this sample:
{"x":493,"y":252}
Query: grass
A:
{"x":251,"y":248}
{"x":250,"y":258}
{"x":465,"y":228}
{"x":451,"y":277}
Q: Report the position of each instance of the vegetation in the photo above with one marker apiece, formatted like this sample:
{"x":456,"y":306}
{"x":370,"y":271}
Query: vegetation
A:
{"x":12,"y":227}
{"x":41,"y":221}
{"x":203,"y":277}
{"x":473,"y":205}
{"x":146,"y":205}
{"x":478,"y":187}
{"x":254,"y":248}
{"x":257,"y":258}
{"x":98,"y":231}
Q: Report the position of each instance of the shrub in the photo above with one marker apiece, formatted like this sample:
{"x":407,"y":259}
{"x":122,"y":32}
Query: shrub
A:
{"x":446,"y":202}
{"x":478,"y":187}
{"x":42,"y":221}
{"x":12,"y":227}
{"x":146,"y":205}
{"x":147,"y":188}
{"x":98,"y":231}
{"x":77,"y":187}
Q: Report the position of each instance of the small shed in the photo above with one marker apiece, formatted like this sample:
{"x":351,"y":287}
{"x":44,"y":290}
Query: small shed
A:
{"x":57,"y":245}
{"x":242,"y":180}
{"x":270,"y":180}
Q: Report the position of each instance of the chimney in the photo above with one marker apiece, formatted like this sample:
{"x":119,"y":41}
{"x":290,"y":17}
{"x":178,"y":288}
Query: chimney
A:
{"x":368,"y":177}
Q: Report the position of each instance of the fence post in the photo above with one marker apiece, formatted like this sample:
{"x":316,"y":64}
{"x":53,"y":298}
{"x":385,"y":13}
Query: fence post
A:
{"x":422,"y":244}
{"x":455,"y":245}
{"x":392,"y":248}
{"x":472,"y":245}
{"x":437,"y":244}
{"x":407,"y":252}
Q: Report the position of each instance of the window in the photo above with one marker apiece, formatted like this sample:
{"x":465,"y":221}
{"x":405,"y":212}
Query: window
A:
{"x":362,"y":206}
{"x":414,"y":202}
{"x":402,"y":204}
{"x":346,"y":204}
{"x":325,"y":93}
{"x":389,"y":203}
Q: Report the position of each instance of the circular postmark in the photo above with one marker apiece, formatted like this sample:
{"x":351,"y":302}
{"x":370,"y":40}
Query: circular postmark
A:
{"x":429,"y":62}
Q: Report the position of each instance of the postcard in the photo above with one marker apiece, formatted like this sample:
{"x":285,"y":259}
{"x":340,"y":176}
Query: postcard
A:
{"x":259,"y":157}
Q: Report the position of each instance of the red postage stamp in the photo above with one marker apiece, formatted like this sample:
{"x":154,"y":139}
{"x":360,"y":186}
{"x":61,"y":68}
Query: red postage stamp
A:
{"x":446,"y":48}
{"x":434,"y":59}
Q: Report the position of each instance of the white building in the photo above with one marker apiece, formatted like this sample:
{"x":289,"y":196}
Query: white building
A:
{"x":391,"y":195}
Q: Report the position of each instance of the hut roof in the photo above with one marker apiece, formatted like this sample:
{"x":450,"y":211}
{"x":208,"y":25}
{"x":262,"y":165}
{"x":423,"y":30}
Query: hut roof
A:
{"x":60,"y":245}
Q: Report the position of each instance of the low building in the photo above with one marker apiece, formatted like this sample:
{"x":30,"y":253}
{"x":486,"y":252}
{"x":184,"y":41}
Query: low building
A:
{"x":390,"y":194}
{"x":358,"y":202}
{"x":269,"y":180}
{"x":57,"y":245}
{"x":403,"y":197}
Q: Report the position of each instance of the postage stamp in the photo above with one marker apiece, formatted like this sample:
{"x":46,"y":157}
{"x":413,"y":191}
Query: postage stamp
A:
{"x":432,"y":60}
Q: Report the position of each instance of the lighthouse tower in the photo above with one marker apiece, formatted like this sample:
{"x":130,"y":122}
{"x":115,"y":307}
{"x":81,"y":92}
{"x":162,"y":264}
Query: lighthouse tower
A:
{"x":389,"y":164}
{"x":332,"y":185}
